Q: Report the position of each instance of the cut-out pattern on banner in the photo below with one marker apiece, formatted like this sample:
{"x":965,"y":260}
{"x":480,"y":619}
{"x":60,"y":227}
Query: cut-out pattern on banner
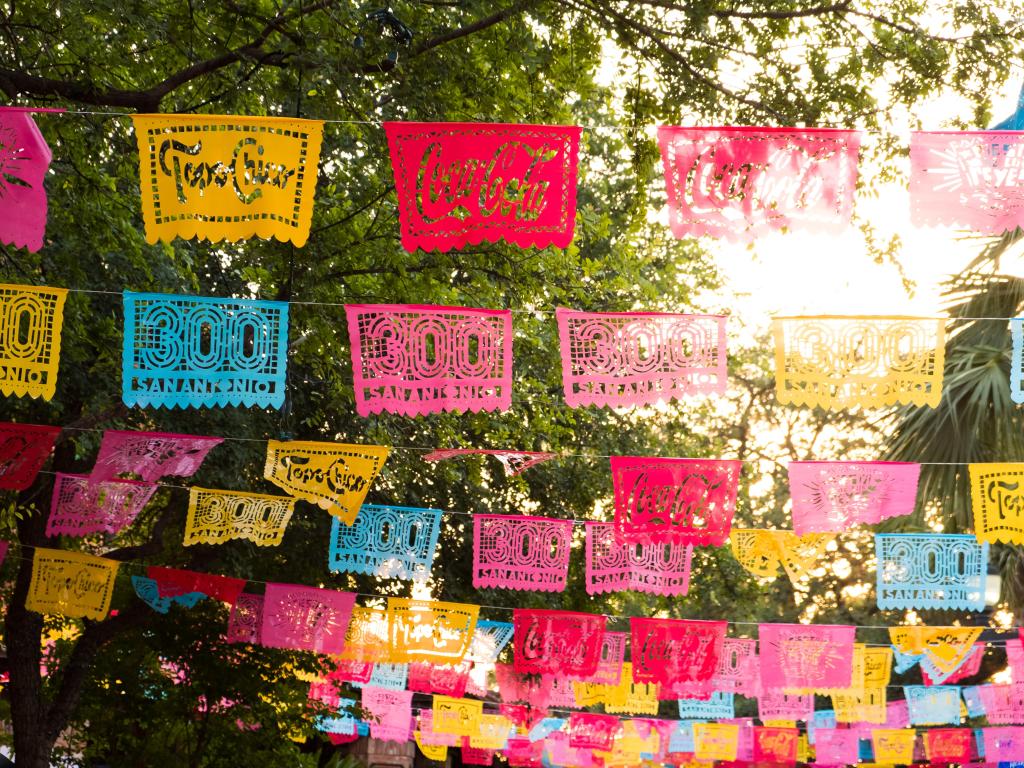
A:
{"x":972,"y":700}
{"x":218,"y":516}
{"x":930,"y":570}
{"x":429,"y":630}
{"x":460,"y":717}
{"x":762,"y":551}
{"x":521,"y":552}
{"x":245,"y":625}
{"x":681,"y":656}
{"x":489,"y":638}
{"x":893,"y":745}
{"x":997,"y":501}
{"x":493,"y":733}
{"x":775,"y":745}
{"x":389,"y":712}
{"x":715,"y":741}
{"x":613,"y":566}
{"x":514,"y":687}
{"x":629,"y":697}
{"x":967,"y":178}
{"x":1003,"y":704}
{"x":172,"y":582}
{"x":933,"y":705}
{"x":514,"y":462}
{"x":867,"y":706}
{"x":817,"y":657}
{"x":334,"y":476}
{"x":387,"y":542}
{"x":413,"y":360}
{"x":24,"y":448}
{"x":203,"y":351}
{"x":461,"y":184}
{"x":624,"y":359}
{"x":740,"y":183}
{"x":831,"y":496}
{"x":475,"y":755}
{"x":945,"y":648}
{"x":836,"y":746}
{"x":680,"y":501}
{"x":523,"y":753}
{"x":588,"y":730}
{"x":148,"y":592}
{"x":394,"y":677}
{"x":366,"y":637}
{"x":933,"y":674}
{"x":433,"y":752}
{"x":305,"y":618}
{"x":718,"y":706}
{"x":1003,"y":745}
{"x":557,"y":642}
{"x":71,"y":584}
{"x":150,"y":456}
{"x":739,"y":668}
{"x":227,"y":177}
{"x":775,"y":704}
{"x":80,"y":507}
{"x":445,"y":679}
{"x":838,"y":362}
{"x":31,"y":319}
{"x":24,"y":159}
{"x":609,"y":664}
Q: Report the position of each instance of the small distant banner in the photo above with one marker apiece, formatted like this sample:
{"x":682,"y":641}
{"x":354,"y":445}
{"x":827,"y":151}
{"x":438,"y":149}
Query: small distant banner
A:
{"x":225,"y":177}
{"x":740,"y":183}
{"x":31,"y":319}
{"x":462,"y":184}
{"x":203,"y":351}
{"x":24,"y":159}
{"x":996,"y":496}
{"x":413,"y":360}
{"x":71,"y":584}
{"x":968,"y":178}
{"x":24,"y":448}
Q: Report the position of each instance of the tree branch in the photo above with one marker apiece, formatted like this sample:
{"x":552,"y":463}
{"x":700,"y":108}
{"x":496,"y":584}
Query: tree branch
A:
{"x":654,"y":36}
{"x":93,"y":638}
{"x":16,"y":82}
{"x":455,"y":34}
{"x":796,"y":13}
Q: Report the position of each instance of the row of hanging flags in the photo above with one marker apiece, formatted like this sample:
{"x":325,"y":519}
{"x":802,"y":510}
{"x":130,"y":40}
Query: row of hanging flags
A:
{"x":182,"y":351}
{"x":228,"y":177}
{"x":663,"y":507}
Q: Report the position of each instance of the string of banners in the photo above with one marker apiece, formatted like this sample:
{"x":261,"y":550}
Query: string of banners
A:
{"x":663,"y":508}
{"x":559,"y":658}
{"x":181,"y":351}
{"x":229,"y":177}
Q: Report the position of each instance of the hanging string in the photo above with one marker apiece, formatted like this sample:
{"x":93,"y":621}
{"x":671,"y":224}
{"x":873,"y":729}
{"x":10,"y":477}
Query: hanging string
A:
{"x":422,"y":449}
{"x":523,"y":311}
{"x":590,"y":126}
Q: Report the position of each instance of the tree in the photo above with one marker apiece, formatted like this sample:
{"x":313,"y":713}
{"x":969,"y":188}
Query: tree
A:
{"x":528,"y":60}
